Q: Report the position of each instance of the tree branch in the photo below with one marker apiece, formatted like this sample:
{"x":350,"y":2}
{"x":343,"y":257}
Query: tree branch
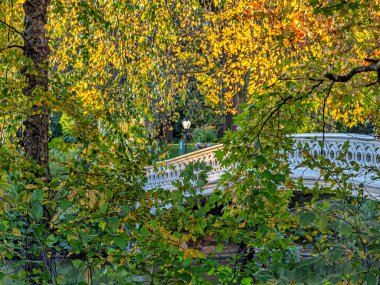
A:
{"x":375,"y":66}
{"x":16,"y":31}
{"x":371,"y":60}
{"x":12,"y":28}
{"x":12,"y":46}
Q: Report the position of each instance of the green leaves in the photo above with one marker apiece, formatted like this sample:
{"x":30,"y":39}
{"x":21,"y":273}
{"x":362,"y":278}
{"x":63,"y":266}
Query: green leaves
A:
{"x":121,"y":242}
{"x":37,"y":196}
{"x":36,"y":210}
{"x":187,"y":262}
{"x":372,"y":279}
{"x":219,"y":248}
{"x":200,"y":213}
{"x":77,"y":263}
{"x":306,"y":219}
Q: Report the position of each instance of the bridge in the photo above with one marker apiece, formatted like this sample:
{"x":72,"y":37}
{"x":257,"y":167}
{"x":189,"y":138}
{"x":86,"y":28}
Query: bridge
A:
{"x":362,"y":149}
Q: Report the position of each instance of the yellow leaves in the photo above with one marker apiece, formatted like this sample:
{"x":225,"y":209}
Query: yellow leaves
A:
{"x":221,"y":49}
{"x":362,"y":254}
{"x":16,"y":232}
{"x":120,"y":230}
{"x":351,"y":112}
{"x":72,"y":194}
{"x":30,"y":186}
{"x":350,"y":254}
{"x":53,"y":219}
{"x":194,"y":253}
{"x":102,"y":225}
{"x":91,"y":98}
{"x":309,"y":238}
{"x":92,"y":197}
{"x":72,"y":237}
{"x":233,"y":65}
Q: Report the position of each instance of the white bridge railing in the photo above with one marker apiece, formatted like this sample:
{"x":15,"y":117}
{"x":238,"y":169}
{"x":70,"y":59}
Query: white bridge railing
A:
{"x":362,"y":149}
{"x":170,"y":170}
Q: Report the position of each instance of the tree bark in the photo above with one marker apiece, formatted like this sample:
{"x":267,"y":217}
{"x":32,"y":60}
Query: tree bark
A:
{"x":36,"y":133}
{"x":36,"y":125}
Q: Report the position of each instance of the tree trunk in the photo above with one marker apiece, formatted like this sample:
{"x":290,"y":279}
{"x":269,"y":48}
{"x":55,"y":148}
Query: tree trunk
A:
{"x":168,"y":132}
{"x":229,"y":117}
{"x":240,"y":97}
{"x":36,"y":133}
{"x":36,"y":125}
{"x":228,"y":122}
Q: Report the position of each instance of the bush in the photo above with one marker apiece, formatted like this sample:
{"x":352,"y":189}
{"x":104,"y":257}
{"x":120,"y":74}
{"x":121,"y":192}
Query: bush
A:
{"x":205,"y":134}
{"x":68,"y":126}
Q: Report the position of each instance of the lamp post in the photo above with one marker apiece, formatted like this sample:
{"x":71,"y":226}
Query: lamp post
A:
{"x":186,"y":126}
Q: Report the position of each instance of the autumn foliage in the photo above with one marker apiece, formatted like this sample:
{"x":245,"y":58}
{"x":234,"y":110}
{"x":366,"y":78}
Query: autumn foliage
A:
{"x":121,"y":72}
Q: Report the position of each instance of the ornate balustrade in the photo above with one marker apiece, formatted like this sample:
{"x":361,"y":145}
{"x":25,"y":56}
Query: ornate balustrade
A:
{"x":169,"y":171}
{"x":362,"y":149}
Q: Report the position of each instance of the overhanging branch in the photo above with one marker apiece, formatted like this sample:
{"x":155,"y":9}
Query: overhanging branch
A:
{"x":375,"y":66}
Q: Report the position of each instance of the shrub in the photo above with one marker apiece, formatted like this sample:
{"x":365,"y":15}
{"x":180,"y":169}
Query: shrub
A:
{"x":68,"y":127}
{"x":205,"y":134}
